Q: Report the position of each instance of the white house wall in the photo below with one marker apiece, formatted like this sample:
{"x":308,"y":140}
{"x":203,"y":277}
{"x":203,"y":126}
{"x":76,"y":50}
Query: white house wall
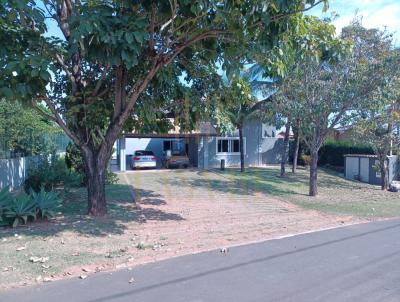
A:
{"x":260,"y":149}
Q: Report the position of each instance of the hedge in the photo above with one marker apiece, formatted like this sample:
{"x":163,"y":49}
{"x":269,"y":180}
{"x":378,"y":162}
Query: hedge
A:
{"x":332,"y":152}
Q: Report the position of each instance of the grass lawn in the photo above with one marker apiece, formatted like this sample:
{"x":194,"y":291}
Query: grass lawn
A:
{"x":336,"y":194}
{"x":180,"y":212}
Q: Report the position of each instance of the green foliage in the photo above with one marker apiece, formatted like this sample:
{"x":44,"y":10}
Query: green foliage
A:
{"x":46,"y":203}
{"x":111,"y":178}
{"x":73,"y":159}
{"x":236,"y":105}
{"x":49,"y":173}
{"x":73,"y":180}
{"x":122,"y":61}
{"x":20,"y":210}
{"x":332,"y":152}
{"x":23,"y":131}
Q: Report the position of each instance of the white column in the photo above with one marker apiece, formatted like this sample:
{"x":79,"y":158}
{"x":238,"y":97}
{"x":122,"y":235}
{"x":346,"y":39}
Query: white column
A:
{"x":122,"y":154}
{"x":205,"y":148}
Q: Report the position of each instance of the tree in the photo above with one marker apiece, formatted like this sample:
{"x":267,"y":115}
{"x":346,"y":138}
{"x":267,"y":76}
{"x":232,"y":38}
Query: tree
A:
{"x":331,"y":86}
{"x":314,"y":40}
{"x":24,"y":132}
{"x":377,"y":124}
{"x":115,"y":55}
{"x":238,"y":105}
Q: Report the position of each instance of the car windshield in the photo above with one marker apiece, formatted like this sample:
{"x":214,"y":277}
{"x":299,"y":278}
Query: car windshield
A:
{"x":139,"y":153}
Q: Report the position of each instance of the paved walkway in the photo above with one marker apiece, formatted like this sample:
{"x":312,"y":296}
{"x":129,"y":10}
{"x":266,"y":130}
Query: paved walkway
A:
{"x":356,"y":263}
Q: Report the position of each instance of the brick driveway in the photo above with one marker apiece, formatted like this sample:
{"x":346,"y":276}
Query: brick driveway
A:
{"x":194,"y":211}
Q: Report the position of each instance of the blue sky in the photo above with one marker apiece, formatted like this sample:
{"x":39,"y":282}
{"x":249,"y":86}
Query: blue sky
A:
{"x":374,"y":13}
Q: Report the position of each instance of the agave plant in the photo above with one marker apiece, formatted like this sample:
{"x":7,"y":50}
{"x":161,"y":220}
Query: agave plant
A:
{"x":20,"y":209}
{"x":46,"y":203}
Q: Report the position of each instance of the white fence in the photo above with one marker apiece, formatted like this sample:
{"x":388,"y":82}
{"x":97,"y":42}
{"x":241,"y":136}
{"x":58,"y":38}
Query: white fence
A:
{"x":14,"y":171}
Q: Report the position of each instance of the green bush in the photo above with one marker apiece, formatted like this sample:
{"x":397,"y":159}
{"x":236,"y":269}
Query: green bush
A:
{"x":20,"y":209}
{"x":49,"y":173}
{"x":46,"y":203}
{"x":73,"y":159}
{"x":73,"y":180}
{"x":332,"y":152}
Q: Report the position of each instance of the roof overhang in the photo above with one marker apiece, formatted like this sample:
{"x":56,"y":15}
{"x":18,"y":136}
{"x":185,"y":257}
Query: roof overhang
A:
{"x":167,"y":135}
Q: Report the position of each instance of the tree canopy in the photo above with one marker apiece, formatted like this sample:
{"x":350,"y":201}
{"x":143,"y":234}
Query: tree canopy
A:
{"x":24,"y":132}
{"x":115,"y":57}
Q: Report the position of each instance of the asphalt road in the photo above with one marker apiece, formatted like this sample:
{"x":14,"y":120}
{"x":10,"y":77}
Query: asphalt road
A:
{"x":356,"y":263}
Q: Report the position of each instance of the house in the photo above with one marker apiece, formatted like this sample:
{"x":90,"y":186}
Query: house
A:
{"x":345,"y":133}
{"x":205,"y":147}
{"x":363,"y":167}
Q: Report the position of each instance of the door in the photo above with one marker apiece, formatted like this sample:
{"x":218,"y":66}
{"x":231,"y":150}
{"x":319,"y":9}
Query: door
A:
{"x":364,"y":169}
{"x":352,"y":168}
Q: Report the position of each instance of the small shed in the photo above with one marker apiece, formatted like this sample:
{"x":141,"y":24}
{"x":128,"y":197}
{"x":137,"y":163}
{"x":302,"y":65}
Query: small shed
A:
{"x":362,"y":167}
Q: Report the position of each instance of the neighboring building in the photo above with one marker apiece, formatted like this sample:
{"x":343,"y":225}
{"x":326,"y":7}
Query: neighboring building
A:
{"x":205,"y":148}
{"x":342,"y":133}
{"x":362,"y":167}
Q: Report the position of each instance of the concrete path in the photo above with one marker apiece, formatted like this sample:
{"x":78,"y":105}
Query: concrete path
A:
{"x":356,"y":263}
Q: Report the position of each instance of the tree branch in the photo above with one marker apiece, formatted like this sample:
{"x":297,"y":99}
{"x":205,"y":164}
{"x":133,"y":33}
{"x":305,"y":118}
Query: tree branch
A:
{"x":203,"y":36}
{"x":57,"y":118}
{"x":100,"y":81}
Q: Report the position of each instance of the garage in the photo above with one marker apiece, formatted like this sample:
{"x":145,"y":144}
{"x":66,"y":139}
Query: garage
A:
{"x":162,"y":146}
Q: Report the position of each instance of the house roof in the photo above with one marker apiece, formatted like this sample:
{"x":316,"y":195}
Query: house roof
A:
{"x":204,"y":129}
{"x":166,"y":135}
{"x":360,"y":155}
{"x":364,"y":155}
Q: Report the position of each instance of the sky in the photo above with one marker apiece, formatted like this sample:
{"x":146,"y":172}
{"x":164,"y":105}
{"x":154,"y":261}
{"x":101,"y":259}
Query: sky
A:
{"x":374,"y":13}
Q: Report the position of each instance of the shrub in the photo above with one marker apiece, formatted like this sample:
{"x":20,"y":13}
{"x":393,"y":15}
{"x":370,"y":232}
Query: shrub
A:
{"x":49,"y":173}
{"x":20,"y":209}
{"x":111,"y":178}
{"x":73,"y":180}
{"x":46,"y":203}
{"x":73,"y":159}
{"x":332,"y":152}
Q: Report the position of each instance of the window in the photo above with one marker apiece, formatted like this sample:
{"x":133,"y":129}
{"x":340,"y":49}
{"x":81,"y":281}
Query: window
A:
{"x":229,"y":145}
{"x":176,"y":146}
{"x":143,"y":153}
{"x":167,"y":145}
{"x":268,"y":131}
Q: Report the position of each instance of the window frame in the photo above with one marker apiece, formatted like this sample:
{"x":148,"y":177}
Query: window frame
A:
{"x":230,"y":145}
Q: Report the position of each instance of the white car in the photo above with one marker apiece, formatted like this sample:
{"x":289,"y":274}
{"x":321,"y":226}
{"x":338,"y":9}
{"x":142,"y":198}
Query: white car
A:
{"x":143,"y":159}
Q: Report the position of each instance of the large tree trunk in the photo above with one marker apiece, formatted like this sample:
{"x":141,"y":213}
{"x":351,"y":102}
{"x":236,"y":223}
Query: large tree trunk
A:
{"x":296,"y":146}
{"x":383,"y":165}
{"x":313,"y":173}
{"x":96,"y":169}
{"x":241,"y":146}
{"x":285,"y":146}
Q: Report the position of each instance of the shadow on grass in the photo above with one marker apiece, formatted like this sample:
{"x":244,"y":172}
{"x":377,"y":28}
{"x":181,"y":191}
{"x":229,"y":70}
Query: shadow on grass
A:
{"x":268,"y":181}
{"x":122,"y":209}
{"x":232,"y":181}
